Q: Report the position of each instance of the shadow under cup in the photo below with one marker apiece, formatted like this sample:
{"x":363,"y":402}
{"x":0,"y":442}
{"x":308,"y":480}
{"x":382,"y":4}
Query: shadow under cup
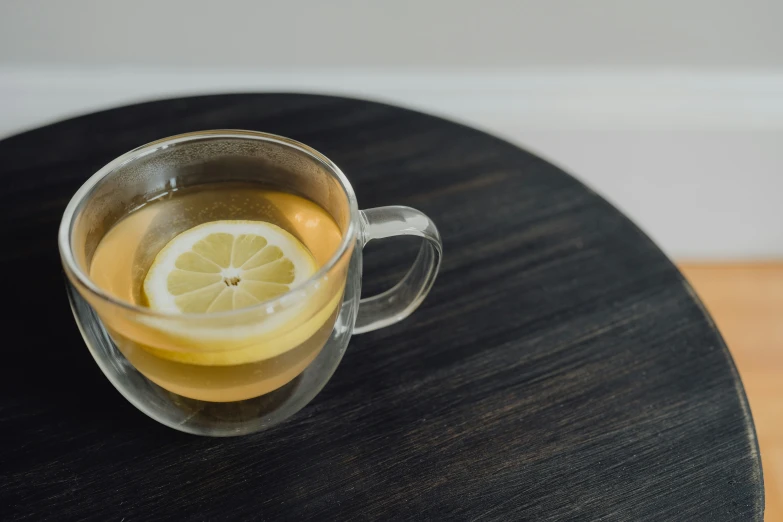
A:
{"x":149,"y":355}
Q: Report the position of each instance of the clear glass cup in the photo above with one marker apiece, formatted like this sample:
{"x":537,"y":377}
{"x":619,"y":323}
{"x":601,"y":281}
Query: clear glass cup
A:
{"x":325,"y":310}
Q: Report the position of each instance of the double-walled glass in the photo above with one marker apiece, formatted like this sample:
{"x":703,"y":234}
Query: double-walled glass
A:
{"x":147,"y":355}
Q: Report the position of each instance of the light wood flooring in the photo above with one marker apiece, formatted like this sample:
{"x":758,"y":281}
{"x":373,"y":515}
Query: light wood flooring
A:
{"x":746,"y":302}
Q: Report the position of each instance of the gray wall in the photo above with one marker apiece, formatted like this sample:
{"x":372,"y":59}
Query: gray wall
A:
{"x":399,"y":33}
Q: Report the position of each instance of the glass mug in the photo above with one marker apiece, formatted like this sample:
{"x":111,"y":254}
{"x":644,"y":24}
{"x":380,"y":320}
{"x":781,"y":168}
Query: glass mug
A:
{"x":149,"y":355}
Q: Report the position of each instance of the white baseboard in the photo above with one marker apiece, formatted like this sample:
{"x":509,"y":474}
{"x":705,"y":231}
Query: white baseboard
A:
{"x":695,"y":159}
{"x":526,"y":100}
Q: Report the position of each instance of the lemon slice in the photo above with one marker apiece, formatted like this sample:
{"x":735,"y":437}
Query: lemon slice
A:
{"x":226,"y":265}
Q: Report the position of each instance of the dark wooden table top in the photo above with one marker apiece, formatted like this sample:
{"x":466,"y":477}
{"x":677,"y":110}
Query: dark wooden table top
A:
{"x":561,"y":369}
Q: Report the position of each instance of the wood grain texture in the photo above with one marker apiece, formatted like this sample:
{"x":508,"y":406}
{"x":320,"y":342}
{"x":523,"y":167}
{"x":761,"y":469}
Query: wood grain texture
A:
{"x":746,"y":301}
{"x":561,"y":369}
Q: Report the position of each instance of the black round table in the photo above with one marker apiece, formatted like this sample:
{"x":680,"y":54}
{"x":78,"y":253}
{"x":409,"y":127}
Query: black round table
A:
{"x":561,"y":368}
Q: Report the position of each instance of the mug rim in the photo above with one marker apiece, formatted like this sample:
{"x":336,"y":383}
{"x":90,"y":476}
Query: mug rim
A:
{"x":66,"y":224}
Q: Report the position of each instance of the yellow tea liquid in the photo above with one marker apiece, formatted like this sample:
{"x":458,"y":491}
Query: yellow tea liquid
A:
{"x":126,"y":252}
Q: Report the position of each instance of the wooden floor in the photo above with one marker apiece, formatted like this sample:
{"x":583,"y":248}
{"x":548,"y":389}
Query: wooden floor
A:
{"x":746,"y":302}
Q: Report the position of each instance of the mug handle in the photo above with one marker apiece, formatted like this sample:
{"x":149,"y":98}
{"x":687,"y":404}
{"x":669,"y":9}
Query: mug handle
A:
{"x":400,"y":301}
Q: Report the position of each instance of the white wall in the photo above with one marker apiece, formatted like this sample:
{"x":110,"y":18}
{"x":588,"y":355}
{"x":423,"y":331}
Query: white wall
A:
{"x":672,"y":109}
